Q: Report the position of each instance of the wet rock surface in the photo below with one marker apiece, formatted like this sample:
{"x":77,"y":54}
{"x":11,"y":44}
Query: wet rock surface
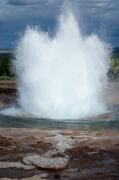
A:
{"x":4,"y":165}
{"x":36,"y":177}
{"x":91,"y":154}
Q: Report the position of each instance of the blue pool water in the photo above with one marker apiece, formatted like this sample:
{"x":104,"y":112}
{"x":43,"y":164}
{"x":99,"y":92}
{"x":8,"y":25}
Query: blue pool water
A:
{"x":102,"y":122}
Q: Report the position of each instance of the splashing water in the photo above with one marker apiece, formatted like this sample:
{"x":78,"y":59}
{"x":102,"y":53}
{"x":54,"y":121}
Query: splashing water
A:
{"x":61,"y":77}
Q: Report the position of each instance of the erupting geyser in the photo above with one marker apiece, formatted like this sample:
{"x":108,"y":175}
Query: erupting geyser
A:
{"x":61,"y":77}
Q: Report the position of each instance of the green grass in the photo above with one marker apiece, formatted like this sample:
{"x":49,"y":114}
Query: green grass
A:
{"x":115,"y":62}
{"x":3,"y":78}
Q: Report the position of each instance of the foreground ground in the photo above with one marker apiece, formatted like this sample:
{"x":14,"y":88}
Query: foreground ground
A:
{"x":91,"y":154}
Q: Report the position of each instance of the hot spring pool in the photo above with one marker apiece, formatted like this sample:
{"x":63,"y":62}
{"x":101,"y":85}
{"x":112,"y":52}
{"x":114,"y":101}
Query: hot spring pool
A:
{"x":106,"y":121}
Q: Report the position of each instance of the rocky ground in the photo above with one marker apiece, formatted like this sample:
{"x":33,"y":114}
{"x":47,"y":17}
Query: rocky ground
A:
{"x":90,"y":154}
{"x":8,"y":93}
{"x":83,"y":154}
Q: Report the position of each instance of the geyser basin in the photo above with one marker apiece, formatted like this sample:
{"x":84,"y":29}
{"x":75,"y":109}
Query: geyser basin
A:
{"x":105,"y":121}
{"x":61,"y":77}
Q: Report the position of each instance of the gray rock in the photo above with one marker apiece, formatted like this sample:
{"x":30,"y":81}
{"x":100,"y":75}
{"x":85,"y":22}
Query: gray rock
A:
{"x":36,"y":177}
{"x":4,"y":165}
{"x":46,"y":162}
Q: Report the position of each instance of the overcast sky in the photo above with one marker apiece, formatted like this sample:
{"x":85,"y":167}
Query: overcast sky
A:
{"x":97,"y":16}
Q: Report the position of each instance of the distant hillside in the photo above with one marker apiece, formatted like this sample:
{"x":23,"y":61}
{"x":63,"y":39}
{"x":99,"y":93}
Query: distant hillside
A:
{"x":9,"y":52}
{"x":2,"y":51}
{"x":6,"y":52}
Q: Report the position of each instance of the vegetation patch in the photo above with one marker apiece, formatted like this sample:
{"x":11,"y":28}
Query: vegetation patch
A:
{"x":6,"y":69}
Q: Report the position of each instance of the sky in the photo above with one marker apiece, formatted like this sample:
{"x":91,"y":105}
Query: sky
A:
{"x":94,"y":16}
